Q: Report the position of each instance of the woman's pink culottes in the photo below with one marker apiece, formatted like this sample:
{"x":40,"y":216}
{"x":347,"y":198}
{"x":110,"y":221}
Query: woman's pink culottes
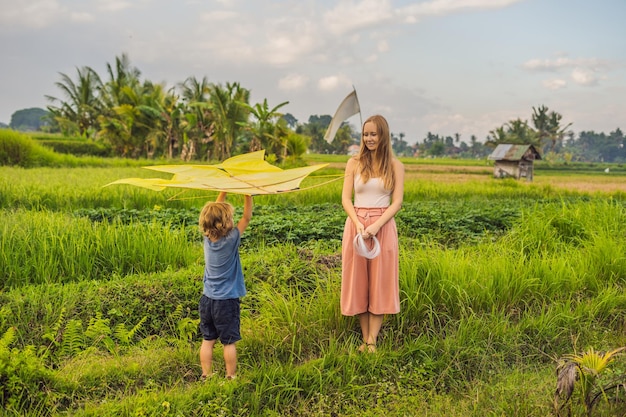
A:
{"x":370,"y":285}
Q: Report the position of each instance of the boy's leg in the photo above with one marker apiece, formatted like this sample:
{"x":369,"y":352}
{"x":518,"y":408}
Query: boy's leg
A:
{"x":206,"y":357}
{"x":230,"y":359}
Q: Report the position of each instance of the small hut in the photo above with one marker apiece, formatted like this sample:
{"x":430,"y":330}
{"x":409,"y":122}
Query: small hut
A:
{"x":514,"y":161}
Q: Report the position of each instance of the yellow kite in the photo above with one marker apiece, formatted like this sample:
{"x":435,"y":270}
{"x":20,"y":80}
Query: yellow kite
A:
{"x":242,"y":174}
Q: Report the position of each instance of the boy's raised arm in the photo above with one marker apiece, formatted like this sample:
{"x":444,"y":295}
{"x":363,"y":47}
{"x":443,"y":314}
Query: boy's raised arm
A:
{"x":221,"y":197}
{"x":247,"y":214}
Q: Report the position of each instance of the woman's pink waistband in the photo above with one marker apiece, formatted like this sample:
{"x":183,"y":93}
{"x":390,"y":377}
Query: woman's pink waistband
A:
{"x":370,"y":210}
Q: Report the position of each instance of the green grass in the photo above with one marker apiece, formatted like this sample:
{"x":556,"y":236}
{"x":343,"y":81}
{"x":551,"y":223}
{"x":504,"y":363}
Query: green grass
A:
{"x":498,"y":280}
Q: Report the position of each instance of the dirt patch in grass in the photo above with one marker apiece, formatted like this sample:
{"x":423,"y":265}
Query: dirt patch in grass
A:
{"x":462,"y":174}
{"x":588,"y":184}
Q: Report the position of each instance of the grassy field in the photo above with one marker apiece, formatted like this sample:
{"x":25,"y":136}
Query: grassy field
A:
{"x":500,"y":279}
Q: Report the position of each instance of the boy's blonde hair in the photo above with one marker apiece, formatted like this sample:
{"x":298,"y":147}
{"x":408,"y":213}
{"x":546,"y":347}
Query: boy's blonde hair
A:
{"x":216,"y":219}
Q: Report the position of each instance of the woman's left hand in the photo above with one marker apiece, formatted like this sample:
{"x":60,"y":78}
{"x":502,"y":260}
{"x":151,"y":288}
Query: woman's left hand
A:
{"x":370,"y":231}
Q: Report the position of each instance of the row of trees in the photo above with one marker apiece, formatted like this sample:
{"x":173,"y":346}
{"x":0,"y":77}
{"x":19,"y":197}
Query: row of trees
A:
{"x":193,"y":120}
{"x":200,"y":120}
{"x":545,"y":133}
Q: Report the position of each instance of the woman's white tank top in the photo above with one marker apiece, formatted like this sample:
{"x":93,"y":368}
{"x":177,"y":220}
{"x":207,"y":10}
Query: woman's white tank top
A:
{"x":370,"y":194}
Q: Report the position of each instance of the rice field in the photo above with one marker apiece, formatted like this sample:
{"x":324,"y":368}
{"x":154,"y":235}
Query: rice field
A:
{"x":500,"y":279}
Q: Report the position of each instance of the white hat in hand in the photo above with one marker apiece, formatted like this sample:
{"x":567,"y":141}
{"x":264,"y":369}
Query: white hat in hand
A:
{"x":362,"y":248}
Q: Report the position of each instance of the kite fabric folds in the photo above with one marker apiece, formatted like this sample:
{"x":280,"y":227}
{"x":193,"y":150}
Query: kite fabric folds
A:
{"x":242,"y":174}
{"x":348,"y":107}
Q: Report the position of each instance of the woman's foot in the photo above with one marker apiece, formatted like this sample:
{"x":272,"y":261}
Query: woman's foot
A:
{"x":367,"y":347}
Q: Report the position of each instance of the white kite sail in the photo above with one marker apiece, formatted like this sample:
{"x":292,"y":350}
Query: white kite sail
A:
{"x":348,"y":108}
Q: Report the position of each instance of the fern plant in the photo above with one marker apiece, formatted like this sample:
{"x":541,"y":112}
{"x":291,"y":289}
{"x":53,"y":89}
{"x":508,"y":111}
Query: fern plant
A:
{"x":185,"y":328}
{"x":53,"y":335}
{"x":24,"y":380}
{"x":125,"y":337}
{"x":595,"y":380}
{"x":73,"y":341}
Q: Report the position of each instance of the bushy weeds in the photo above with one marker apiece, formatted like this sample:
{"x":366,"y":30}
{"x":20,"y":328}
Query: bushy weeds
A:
{"x":98,"y":302}
{"x":19,"y":149}
{"x":42,"y":247}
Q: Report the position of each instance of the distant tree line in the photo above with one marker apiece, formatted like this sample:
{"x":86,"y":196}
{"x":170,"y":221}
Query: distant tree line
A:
{"x":195,"y":119}
{"x":199,"y":120}
{"x":546,"y":134}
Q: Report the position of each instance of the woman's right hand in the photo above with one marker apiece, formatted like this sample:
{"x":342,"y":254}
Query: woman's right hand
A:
{"x":360,"y":228}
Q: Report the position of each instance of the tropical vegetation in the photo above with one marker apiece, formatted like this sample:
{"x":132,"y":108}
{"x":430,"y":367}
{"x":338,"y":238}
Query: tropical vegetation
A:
{"x":200,"y":120}
{"x":502,"y":284}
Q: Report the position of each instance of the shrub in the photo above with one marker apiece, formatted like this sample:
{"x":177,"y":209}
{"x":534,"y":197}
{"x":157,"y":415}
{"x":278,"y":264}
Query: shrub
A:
{"x":24,"y":380}
{"x":19,"y":149}
{"x":78,"y":148}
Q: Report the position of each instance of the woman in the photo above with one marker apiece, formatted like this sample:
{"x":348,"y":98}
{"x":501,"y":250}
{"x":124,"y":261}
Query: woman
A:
{"x":369,"y":287}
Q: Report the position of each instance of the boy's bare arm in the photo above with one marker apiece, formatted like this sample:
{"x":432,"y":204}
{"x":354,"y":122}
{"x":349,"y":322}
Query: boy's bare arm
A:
{"x":221,"y":197}
{"x":247,"y":214}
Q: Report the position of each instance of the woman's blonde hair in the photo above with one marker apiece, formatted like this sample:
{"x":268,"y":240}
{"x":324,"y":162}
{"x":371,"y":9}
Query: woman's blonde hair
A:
{"x":216,"y":220}
{"x":384,"y":154}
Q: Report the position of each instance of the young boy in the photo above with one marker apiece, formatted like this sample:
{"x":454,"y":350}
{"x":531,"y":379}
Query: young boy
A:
{"x":223,"y":283}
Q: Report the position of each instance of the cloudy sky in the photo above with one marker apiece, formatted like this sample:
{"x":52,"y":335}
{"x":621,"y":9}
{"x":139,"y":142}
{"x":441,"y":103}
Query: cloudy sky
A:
{"x":440,"y":66}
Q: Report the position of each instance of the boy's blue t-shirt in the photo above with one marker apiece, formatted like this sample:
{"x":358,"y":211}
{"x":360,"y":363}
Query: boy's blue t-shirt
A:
{"x":223,"y":276}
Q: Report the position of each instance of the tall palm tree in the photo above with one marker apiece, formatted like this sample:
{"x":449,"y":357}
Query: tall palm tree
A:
{"x":229,"y":114}
{"x":268,"y":132}
{"x":196,"y":122}
{"x":120,"y":95}
{"x":121,"y":75}
{"x":548,"y":125}
{"x":557,"y":132}
{"x":79,"y":111}
{"x":515,"y":132}
{"x":143,"y":123}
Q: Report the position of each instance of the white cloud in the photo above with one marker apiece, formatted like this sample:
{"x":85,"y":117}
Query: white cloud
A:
{"x":554,"y":84}
{"x":219,"y":16}
{"x":33,"y":14}
{"x":293,"y":82}
{"x":583,"y":76}
{"x":349,"y":16}
{"x":562,"y":62}
{"x":82,"y":17}
{"x":583,"y":71}
{"x":413,"y":12}
{"x":466,"y":124}
{"x":286,"y":44}
{"x":113,"y":5}
{"x":383,"y":46}
{"x":333,"y":82}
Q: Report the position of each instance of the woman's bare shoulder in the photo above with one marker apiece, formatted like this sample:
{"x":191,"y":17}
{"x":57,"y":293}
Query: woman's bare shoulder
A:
{"x":397,"y":164}
{"x":352,"y":163}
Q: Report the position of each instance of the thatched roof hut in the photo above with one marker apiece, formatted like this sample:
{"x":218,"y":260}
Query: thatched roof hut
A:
{"x":514,"y":161}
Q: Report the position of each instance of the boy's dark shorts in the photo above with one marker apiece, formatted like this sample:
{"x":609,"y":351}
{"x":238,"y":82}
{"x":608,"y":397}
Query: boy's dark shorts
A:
{"x":220,"y":319}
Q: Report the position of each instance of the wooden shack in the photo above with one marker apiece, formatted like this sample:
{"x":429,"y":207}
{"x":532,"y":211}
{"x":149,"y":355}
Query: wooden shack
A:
{"x":514,"y":161}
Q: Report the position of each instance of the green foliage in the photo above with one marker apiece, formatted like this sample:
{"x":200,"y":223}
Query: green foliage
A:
{"x":42,"y":247}
{"x":588,"y":371}
{"x":73,"y":339}
{"x":20,"y":150}
{"x":496,"y":279}
{"x":448,"y":224}
{"x":78,"y":148}
{"x":29,"y":119}
{"x":24,"y":380}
